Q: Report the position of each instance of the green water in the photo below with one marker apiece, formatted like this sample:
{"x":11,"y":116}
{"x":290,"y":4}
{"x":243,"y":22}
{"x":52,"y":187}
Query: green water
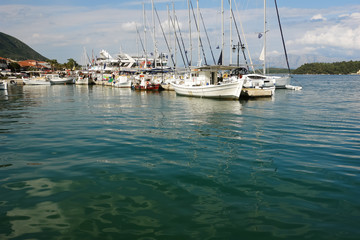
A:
{"x":81,"y":162}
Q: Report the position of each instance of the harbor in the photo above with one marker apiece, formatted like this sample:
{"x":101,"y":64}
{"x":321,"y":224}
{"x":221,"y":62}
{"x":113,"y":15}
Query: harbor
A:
{"x":99,"y":162}
{"x":157,"y":120}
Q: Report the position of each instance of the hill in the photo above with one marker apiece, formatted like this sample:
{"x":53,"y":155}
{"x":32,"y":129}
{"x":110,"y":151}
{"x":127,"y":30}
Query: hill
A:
{"x":329,"y":68}
{"x":15,"y":49}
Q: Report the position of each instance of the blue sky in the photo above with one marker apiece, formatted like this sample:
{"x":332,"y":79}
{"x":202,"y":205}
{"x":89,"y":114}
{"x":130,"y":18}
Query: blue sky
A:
{"x":61,"y":29}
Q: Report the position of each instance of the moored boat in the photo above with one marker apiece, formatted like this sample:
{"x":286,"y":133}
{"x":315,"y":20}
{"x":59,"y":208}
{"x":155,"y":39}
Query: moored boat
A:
{"x":204,"y":82}
{"x":3,"y":85}
{"x":122,"y":81}
{"x":84,"y":80}
{"x":147,"y":87}
{"x":41,"y":80}
{"x":55,"y":79}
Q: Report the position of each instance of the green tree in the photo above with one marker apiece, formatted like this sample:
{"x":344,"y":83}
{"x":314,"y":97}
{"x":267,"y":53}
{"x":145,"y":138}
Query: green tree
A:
{"x":71,"y":64}
{"x":54,"y":64}
{"x":14,"y":66}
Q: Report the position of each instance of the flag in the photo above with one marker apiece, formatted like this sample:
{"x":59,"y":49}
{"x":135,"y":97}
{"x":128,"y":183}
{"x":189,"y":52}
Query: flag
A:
{"x":260,"y":35}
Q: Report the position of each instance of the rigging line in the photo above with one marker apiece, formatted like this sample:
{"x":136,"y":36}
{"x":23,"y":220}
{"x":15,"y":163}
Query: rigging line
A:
{"x":177,"y":40}
{"x":242,"y":31}
{"x":182,"y":40}
{"x":151,"y":33}
{"x":142,"y":45}
{"x":162,"y":30}
{"x":212,"y":53}
{"x":282,"y":37}
{"x":198,"y":29}
{"x":242,"y":46}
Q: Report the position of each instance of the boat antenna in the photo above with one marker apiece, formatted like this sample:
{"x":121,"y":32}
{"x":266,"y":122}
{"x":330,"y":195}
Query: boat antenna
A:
{"x":282,"y":37}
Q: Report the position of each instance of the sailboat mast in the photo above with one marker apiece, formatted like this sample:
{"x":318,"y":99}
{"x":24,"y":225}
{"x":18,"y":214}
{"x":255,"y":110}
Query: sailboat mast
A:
{"x":222,"y":32}
{"x":264,"y":66}
{"x":199,"y":43}
{"x":154,"y":30}
{"x":169,"y":31}
{"x":231,"y":40}
{"x":145,"y":65}
{"x":190,"y":38}
{"x":173,"y":24}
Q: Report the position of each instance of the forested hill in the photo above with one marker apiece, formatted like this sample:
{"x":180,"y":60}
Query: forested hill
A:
{"x":15,"y":49}
{"x":329,"y":68}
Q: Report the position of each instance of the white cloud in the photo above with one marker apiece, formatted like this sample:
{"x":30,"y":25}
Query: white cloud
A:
{"x":61,"y":32}
{"x":318,"y":17}
{"x":129,"y":26}
{"x":344,"y":34}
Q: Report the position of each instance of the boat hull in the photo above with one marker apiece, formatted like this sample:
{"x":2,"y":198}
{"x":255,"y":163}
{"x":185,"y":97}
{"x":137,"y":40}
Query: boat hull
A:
{"x":59,"y":81}
{"x":35,"y":82}
{"x":282,"y":82}
{"x":84,"y":81}
{"x":155,"y":87}
{"x":3,"y":85}
{"x":222,"y":91}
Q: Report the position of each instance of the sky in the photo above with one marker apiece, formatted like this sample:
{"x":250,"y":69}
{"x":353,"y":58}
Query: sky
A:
{"x":63,"y":29}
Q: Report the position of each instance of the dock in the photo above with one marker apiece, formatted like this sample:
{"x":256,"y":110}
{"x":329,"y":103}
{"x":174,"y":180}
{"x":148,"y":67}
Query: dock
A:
{"x":256,"y":93}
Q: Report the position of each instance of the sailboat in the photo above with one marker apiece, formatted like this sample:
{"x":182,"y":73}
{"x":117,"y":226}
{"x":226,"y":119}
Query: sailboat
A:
{"x":207,"y":81}
{"x":263,"y":80}
{"x":85,"y":77}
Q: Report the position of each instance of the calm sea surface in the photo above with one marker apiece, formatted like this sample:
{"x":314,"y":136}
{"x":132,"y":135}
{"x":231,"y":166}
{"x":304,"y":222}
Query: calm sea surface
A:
{"x":79,"y":162}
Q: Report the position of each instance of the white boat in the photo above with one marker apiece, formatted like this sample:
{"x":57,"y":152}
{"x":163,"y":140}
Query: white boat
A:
{"x":82,"y":80}
{"x":204,"y":82}
{"x":42,"y":80}
{"x":279,"y":81}
{"x":258,"y":81}
{"x":122,"y":81}
{"x":3,"y":85}
{"x":56,"y":79}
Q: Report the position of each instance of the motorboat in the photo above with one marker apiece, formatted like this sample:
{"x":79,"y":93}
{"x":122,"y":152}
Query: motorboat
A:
{"x":84,"y":80}
{"x":55,"y":79}
{"x":122,"y":81}
{"x":3,"y":85}
{"x":40,"y":80}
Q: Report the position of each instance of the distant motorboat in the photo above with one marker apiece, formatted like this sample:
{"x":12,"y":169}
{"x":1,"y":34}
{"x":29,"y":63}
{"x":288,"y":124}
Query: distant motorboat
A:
{"x":55,"y":79}
{"x":148,"y":87}
{"x":122,"y":82}
{"x":42,"y":80}
{"x":3,"y":85}
{"x":81,"y":80}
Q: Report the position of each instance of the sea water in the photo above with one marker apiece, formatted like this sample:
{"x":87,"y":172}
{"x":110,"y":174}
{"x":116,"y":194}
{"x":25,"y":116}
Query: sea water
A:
{"x":94,"y":162}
